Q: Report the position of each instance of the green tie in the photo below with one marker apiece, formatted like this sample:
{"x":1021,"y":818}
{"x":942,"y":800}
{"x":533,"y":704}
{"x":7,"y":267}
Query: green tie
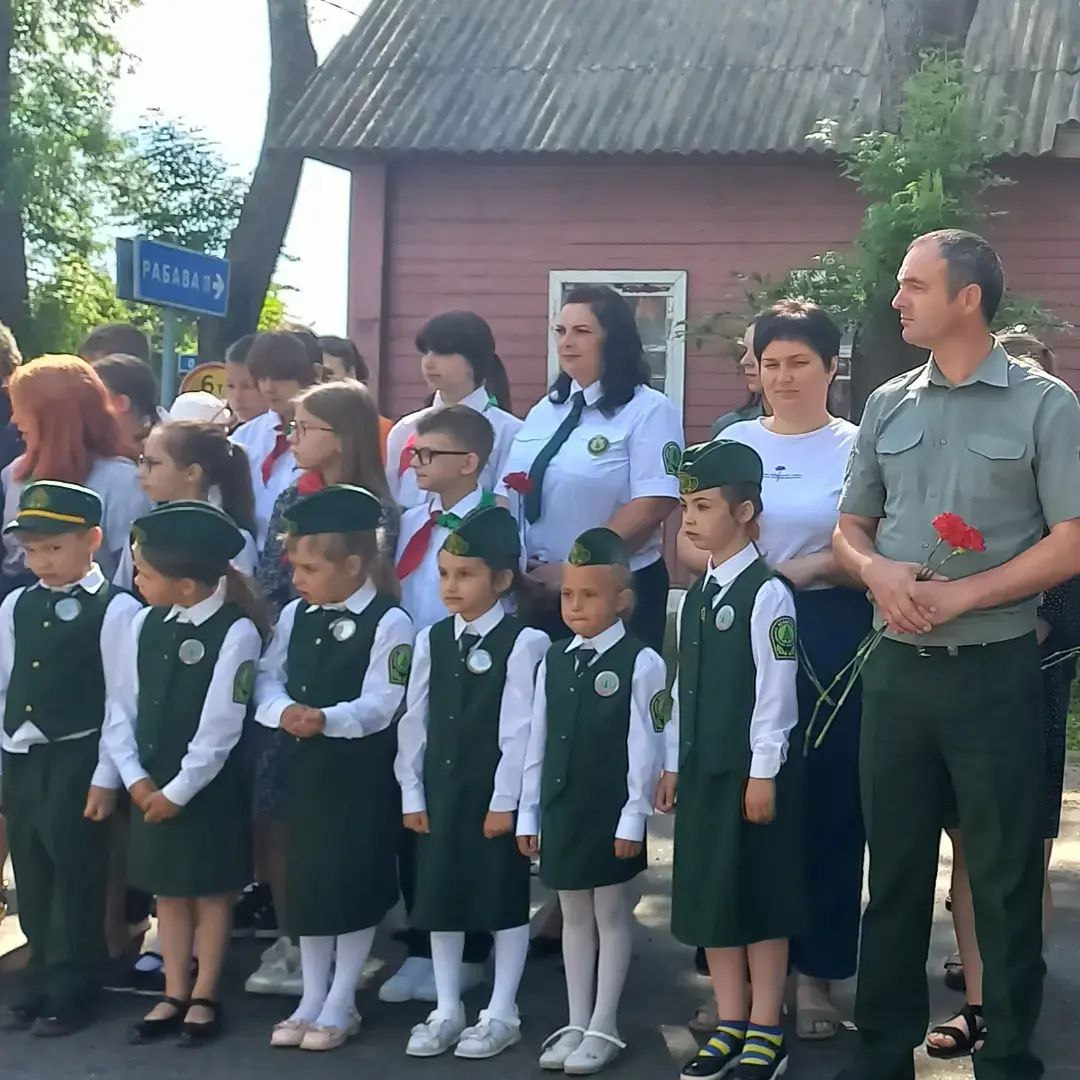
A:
{"x":543,"y":459}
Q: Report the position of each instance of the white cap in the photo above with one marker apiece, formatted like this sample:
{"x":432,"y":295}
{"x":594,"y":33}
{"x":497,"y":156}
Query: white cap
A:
{"x":200,"y":406}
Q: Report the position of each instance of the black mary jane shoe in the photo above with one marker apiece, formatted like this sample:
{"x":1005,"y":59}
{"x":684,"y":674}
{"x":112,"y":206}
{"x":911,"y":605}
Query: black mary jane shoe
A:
{"x":146,"y":1031}
{"x":192,"y":1035}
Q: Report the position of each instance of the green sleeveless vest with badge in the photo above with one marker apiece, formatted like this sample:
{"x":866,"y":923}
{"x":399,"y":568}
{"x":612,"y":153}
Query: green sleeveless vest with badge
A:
{"x":342,"y":803}
{"x":205,"y":850}
{"x":56,"y":678}
{"x":733,"y":883}
{"x":464,"y":881}
{"x":583,"y":790}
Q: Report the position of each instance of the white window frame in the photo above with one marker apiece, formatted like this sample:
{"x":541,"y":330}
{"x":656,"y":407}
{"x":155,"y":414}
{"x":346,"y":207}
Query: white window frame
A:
{"x":675,"y":372}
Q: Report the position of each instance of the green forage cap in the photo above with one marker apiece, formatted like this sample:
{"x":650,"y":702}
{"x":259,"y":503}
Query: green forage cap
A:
{"x":187,"y":527}
{"x":599,"y":547}
{"x":339,"y":508}
{"x":714,"y":464}
{"x":49,"y":507}
{"x":489,"y":533}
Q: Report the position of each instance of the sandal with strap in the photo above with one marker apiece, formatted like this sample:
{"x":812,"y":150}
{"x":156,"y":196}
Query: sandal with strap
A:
{"x":965,"y":1041}
{"x":192,"y":1034}
{"x":148,"y":1030}
{"x":581,"y":1063}
{"x":555,"y":1049}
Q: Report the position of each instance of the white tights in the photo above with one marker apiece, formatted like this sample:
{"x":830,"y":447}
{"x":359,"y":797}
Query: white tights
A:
{"x":325,"y":1003}
{"x":511,"y":950}
{"x":597,"y":920}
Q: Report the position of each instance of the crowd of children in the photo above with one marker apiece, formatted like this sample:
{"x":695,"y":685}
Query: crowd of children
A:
{"x":398,"y":729}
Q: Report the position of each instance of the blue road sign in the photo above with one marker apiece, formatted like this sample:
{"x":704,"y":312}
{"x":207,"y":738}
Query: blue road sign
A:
{"x":186,"y":362}
{"x":177,"y":277}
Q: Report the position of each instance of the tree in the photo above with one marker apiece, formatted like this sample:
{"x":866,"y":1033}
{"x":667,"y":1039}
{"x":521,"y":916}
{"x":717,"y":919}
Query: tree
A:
{"x":256,"y":242}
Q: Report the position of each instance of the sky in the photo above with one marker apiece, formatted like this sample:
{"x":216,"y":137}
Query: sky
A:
{"x":207,"y":63}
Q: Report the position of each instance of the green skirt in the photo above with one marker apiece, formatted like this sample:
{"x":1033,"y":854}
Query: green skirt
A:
{"x":735,"y":883}
{"x":342,"y":820}
{"x":204,"y":851}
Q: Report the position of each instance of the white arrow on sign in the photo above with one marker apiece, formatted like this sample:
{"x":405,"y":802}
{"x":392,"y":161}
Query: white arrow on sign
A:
{"x":219,"y":286}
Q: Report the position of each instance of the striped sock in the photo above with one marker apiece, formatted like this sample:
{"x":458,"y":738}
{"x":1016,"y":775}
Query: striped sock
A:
{"x":763,"y":1046}
{"x":726,"y":1040}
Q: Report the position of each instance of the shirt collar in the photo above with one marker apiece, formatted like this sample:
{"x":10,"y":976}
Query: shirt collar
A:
{"x":356,"y":604}
{"x":91,"y":583}
{"x":198,"y":613}
{"x":730,"y":569}
{"x":477,"y":400}
{"x":461,"y":507}
{"x":593,"y":392}
{"x":994,"y":371}
{"x":603,"y":641}
{"x":482,"y":626}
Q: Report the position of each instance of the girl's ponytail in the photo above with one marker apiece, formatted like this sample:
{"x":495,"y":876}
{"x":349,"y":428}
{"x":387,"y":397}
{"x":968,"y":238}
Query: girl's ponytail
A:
{"x":497,"y":382}
{"x":240,"y":590}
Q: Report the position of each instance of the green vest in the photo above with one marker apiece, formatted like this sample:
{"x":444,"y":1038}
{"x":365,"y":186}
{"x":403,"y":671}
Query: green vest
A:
{"x":463,"y":710}
{"x":172,"y":692}
{"x":322,"y":670}
{"x":56,"y":679}
{"x":717,"y":675}
{"x":587,"y":728}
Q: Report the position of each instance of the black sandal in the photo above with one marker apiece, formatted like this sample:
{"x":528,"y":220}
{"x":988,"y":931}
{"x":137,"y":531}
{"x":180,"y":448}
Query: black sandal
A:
{"x":148,"y":1030}
{"x":965,"y":1043}
{"x":192,"y":1034}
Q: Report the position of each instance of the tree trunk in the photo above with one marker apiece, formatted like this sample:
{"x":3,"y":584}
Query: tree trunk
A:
{"x":879,"y":353}
{"x":13,"y":286}
{"x":256,"y":241}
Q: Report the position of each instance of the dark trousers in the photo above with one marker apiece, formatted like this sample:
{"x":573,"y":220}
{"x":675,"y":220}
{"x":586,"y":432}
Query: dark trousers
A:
{"x":970,"y":722}
{"x":648,"y":621}
{"x":61,"y":866}
{"x":477,"y":942}
{"x":832,"y":623}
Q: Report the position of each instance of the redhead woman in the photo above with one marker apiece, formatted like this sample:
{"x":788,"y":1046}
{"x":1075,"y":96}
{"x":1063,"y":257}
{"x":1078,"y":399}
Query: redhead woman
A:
{"x":61,"y":407}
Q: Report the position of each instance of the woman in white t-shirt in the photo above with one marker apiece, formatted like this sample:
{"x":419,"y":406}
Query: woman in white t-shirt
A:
{"x":805,"y":451}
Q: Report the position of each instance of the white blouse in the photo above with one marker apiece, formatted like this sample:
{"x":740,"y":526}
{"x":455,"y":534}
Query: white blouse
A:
{"x":606,"y":462}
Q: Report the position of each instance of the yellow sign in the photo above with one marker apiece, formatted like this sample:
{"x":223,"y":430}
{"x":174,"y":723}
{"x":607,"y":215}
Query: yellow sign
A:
{"x":207,"y":377}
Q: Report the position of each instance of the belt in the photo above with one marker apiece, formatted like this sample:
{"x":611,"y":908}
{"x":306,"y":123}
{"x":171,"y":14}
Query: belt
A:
{"x":945,"y":650}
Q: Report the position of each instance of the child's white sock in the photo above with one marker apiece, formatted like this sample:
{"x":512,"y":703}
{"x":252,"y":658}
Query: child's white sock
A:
{"x":447,"y":949}
{"x":614,"y":909}
{"x":351,"y":954}
{"x":511,"y":950}
{"x":316,"y":955}
{"x":579,"y":953}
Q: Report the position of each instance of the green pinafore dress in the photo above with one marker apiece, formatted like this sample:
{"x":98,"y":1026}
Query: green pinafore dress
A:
{"x":583,"y":789}
{"x":464,"y":881}
{"x":341,"y":800}
{"x":733,"y":883}
{"x":206,"y":849}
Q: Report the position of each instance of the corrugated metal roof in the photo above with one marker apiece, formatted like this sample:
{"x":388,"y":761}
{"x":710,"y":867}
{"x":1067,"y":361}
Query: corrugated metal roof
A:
{"x":1024,"y":56}
{"x":593,"y":76}
{"x":656,"y":76}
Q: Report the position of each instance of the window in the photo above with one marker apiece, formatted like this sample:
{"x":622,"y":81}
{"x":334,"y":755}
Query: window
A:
{"x":658,"y":298}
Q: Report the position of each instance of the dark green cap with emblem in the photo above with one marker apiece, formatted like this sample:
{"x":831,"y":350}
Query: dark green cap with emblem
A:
{"x":714,"y":464}
{"x":339,"y":508}
{"x":489,"y":533}
{"x":599,"y":547}
{"x":189,"y":528}
{"x":50,"y":507}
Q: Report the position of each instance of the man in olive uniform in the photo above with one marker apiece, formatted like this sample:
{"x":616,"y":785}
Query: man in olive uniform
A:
{"x":951,"y":697}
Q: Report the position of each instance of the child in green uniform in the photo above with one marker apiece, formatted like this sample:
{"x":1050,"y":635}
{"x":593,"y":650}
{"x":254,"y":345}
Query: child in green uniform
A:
{"x":460,"y":754}
{"x":186,"y":682}
{"x":333,"y":678}
{"x":60,"y":653}
{"x":593,"y":759}
{"x":737,"y":885}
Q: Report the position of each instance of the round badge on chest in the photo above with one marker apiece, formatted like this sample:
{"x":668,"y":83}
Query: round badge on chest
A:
{"x":479,"y":661}
{"x":343,"y":629}
{"x":191,"y":651}
{"x":725,"y":618}
{"x":68,"y":609}
{"x":598,"y":444}
{"x":606,"y":683}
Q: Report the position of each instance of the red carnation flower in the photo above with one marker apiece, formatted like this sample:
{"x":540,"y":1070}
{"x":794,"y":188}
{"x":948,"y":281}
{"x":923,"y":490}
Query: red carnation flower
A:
{"x":958,"y":534}
{"x":519,"y":482}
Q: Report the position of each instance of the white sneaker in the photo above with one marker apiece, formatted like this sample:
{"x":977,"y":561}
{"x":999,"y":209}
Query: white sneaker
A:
{"x":489,"y":1037}
{"x":436,"y":1034}
{"x":279,"y":972}
{"x":403,"y":984}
